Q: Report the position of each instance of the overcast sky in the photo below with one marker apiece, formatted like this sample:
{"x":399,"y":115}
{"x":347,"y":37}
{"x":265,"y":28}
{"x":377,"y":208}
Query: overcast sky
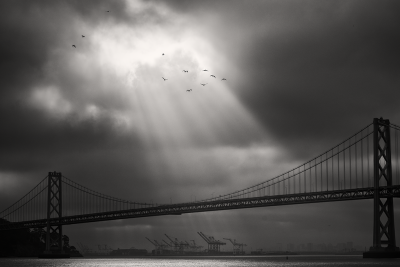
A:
{"x":301,"y":76}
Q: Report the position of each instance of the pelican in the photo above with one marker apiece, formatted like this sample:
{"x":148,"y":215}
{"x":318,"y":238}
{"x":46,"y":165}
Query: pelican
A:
{"x":203,"y":84}
{"x":164,"y":79}
{"x":213,"y":76}
{"x":223,"y":79}
{"x":83,"y":36}
{"x":74,"y":46}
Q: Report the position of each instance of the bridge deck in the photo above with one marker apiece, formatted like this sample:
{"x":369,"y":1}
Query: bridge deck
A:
{"x":192,"y":207}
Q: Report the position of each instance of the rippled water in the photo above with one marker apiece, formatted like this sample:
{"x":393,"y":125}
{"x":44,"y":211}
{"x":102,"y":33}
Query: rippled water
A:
{"x":243,"y":261}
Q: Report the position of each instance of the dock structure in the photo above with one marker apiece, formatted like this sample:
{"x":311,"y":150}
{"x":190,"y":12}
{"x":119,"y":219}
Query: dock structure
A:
{"x":214,"y":246}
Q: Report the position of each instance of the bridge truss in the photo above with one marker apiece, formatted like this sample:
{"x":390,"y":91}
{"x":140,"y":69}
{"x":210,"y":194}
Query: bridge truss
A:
{"x":215,"y":205}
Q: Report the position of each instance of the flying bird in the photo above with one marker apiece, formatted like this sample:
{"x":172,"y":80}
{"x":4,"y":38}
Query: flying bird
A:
{"x":205,"y":70}
{"x":74,"y":46}
{"x":83,"y":36}
{"x":162,"y":53}
{"x":185,"y":71}
{"x":107,"y":11}
{"x":213,"y":76}
{"x":223,"y":79}
{"x":203,"y":84}
{"x":164,"y":79}
{"x":189,"y":90}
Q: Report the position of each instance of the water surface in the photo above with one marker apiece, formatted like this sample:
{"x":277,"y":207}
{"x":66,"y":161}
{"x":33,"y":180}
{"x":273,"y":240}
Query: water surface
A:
{"x":229,"y":261}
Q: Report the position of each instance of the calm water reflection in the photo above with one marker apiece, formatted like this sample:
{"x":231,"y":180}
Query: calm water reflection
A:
{"x":331,"y":261}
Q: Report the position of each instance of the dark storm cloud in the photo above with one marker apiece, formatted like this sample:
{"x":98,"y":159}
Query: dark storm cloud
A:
{"x":322,"y":83}
{"x":312,"y":72}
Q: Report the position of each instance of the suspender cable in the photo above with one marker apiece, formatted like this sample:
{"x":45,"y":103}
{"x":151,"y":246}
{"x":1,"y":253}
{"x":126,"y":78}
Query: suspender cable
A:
{"x":338,"y":168}
{"x":305,"y":178}
{"x":310,"y":176}
{"x":315,"y":174}
{"x":350,"y":163}
{"x":326,"y":161}
{"x":332,"y":176}
{"x":321,"y":173}
{"x":344,"y":169}
{"x":397,"y":154}
{"x":368,"y":160}
{"x":362,"y":161}
{"x":356,"y":163}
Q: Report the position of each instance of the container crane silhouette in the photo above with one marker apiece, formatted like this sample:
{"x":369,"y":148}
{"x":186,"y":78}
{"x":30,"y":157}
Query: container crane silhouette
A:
{"x":214,"y":246}
{"x":237,"y":247}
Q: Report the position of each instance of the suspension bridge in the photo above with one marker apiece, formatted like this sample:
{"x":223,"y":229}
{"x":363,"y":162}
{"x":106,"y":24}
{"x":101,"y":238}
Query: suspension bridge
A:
{"x":364,"y":166}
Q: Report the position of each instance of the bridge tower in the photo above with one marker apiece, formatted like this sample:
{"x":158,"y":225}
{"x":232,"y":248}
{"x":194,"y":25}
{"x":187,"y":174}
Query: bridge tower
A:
{"x":384,"y":239}
{"x":54,"y":235}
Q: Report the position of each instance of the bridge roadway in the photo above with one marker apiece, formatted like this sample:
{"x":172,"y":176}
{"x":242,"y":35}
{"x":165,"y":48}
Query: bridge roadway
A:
{"x":215,"y":205}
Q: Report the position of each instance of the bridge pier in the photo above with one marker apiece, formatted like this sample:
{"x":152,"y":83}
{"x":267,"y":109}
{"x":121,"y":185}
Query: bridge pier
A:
{"x":384,"y":239}
{"x":54,"y":235}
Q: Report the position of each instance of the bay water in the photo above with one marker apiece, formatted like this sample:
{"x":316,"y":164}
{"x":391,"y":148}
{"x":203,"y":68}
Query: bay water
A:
{"x":230,"y":261}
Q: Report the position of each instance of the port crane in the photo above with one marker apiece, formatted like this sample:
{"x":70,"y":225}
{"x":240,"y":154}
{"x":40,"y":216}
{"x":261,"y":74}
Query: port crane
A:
{"x":195,"y":247}
{"x":160,"y":245}
{"x":155,"y":245}
{"x":237,"y":247}
{"x":157,"y":248}
{"x":168,"y":244}
{"x":179,"y":246}
{"x":214,"y":246}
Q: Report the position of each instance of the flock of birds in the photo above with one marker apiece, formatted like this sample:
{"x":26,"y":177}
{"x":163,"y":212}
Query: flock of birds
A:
{"x":203,"y":84}
{"x":186,"y":71}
